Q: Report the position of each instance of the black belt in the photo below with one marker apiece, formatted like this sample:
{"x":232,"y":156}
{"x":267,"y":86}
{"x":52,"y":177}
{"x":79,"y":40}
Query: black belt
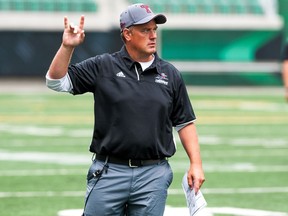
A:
{"x":128,"y":162}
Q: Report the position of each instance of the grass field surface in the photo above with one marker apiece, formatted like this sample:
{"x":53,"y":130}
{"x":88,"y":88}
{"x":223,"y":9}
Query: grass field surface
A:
{"x":44,"y":140}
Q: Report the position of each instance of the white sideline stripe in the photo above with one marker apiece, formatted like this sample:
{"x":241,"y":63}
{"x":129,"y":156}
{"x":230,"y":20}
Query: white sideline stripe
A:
{"x":41,"y":157}
{"x":180,"y":167}
{"x":44,"y":131}
{"x":236,"y":190}
{"x":183,"y":211}
{"x":170,"y":192}
{"x":226,"y":67}
{"x":243,"y":212}
{"x":43,"y":172}
{"x":42,"y":194}
{"x":85,"y":159}
{"x":176,"y":167}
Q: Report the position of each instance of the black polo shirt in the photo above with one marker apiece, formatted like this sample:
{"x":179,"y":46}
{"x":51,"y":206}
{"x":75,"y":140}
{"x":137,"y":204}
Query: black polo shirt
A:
{"x":134,"y":112}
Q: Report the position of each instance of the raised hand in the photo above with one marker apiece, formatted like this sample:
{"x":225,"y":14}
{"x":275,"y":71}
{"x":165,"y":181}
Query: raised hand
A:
{"x":73,"y":35}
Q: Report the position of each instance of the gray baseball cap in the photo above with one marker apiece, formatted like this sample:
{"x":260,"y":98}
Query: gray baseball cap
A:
{"x":137,"y":14}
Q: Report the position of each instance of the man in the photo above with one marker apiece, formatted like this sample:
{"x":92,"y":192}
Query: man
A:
{"x":285,"y":71}
{"x":138,"y":98}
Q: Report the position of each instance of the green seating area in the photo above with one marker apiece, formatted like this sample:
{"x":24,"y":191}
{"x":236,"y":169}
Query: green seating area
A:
{"x":214,"y":45}
{"x":49,"y":5}
{"x":205,"y":6}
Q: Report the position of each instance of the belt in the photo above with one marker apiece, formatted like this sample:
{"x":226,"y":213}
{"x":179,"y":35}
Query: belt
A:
{"x":128,"y":162}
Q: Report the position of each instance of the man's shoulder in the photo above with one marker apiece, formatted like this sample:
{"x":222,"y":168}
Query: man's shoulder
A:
{"x":168,"y":66}
{"x":103,"y":58}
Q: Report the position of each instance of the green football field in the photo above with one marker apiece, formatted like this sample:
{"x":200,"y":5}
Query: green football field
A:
{"x":44,"y":140}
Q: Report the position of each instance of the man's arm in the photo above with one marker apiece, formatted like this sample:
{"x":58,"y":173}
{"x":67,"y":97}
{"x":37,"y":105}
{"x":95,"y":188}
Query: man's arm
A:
{"x":189,"y":138}
{"x":285,"y":77}
{"x":72,"y":37}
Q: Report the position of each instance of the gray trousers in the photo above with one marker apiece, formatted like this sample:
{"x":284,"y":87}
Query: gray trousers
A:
{"x":122,"y":190}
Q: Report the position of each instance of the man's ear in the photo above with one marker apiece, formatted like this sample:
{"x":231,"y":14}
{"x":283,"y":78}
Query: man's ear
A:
{"x":127,"y":34}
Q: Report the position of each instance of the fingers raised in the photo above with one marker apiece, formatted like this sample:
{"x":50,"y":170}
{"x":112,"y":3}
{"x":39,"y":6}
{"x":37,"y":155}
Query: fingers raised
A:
{"x":66,"y":25}
{"x":81,"y":23}
{"x":71,"y":26}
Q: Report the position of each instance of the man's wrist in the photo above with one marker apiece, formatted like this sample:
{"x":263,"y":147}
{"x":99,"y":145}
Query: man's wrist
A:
{"x":68,"y":47}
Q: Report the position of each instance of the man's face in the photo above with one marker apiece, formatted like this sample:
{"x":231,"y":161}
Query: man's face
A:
{"x":143,"y":37}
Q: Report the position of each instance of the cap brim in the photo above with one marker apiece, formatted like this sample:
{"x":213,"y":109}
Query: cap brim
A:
{"x":159,"y":19}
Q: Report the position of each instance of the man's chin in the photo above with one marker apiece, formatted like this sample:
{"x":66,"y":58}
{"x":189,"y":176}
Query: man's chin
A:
{"x":152,"y":50}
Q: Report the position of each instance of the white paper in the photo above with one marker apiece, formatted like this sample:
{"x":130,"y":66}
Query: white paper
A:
{"x":194,"y":202}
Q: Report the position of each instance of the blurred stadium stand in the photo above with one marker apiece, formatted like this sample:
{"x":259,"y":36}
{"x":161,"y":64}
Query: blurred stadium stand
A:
{"x":210,"y":41}
{"x":48,"y":5}
{"x":206,"y":6}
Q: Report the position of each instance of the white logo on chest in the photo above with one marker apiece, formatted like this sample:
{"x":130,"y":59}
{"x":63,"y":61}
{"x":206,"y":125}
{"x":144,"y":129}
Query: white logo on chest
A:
{"x":120,"y":74}
{"x":162,"y":79}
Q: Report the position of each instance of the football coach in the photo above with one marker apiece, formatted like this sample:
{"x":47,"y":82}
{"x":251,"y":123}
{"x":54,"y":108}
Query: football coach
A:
{"x":138,"y":99}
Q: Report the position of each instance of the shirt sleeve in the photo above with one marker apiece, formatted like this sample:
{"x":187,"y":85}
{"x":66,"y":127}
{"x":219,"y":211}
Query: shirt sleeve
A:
{"x":183,"y":112}
{"x":60,"y":85}
{"x":179,"y":127}
{"x":83,"y":75}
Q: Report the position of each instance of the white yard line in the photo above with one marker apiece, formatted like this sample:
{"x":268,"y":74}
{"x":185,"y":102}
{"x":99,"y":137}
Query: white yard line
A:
{"x":252,"y":190}
{"x":239,"y":212}
{"x":205,"y":191}
{"x":169,"y":211}
{"x":42,"y":194}
{"x":44,"y":131}
{"x":43,"y":172}
{"x":52,"y":158}
{"x":85,"y":159}
{"x":212,"y":167}
{"x":183,"y":211}
{"x":177,"y":168}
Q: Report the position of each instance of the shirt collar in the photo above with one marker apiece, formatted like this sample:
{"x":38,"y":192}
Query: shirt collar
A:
{"x":130,"y":62}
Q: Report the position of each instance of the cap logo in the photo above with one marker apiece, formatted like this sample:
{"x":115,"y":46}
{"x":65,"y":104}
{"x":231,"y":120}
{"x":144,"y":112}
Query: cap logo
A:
{"x":122,"y":25}
{"x":147,"y":8}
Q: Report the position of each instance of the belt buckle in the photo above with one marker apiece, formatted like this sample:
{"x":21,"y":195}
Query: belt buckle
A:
{"x":131,"y":165}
